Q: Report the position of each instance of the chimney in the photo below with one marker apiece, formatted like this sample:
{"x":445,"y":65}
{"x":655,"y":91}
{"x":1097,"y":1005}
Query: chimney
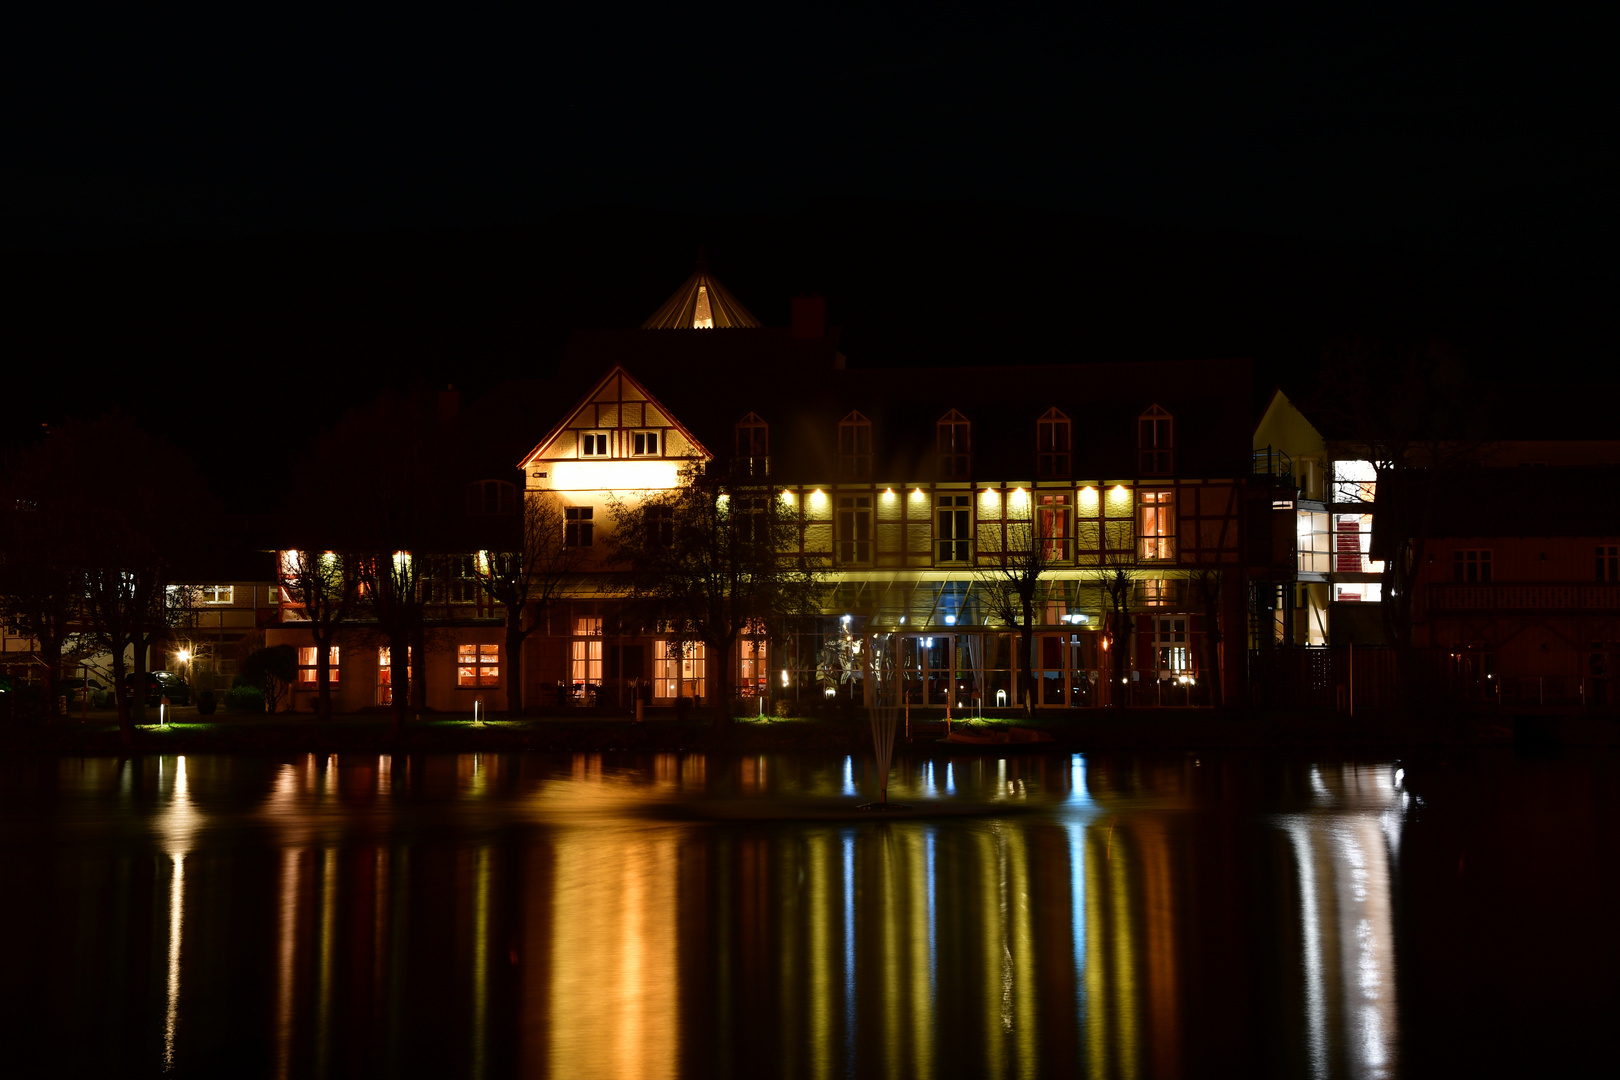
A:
{"x":809,"y":318}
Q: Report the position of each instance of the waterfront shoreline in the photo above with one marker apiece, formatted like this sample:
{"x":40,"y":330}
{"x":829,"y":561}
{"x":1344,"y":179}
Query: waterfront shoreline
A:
{"x":1166,"y":730}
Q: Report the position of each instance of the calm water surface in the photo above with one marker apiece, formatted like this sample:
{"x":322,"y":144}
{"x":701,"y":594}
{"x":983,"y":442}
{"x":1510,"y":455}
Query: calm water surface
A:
{"x":671,"y":915}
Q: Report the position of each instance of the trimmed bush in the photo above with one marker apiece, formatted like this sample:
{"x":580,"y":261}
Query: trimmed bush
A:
{"x":244,"y":699}
{"x":786,"y":707}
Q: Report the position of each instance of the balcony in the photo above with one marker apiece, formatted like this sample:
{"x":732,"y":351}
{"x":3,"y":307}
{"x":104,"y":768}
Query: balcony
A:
{"x":1507,"y":597}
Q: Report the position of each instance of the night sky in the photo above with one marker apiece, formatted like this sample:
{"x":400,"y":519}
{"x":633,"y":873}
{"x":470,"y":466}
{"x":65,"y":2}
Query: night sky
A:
{"x":212,"y":208}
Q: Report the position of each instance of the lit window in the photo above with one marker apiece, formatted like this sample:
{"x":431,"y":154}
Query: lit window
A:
{"x":220,"y":594}
{"x":677,"y":670}
{"x":578,"y":528}
{"x":1170,"y":643}
{"x":854,"y":446}
{"x":753,"y":667}
{"x":1052,"y":444}
{"x":1471,"y":567}
{"x":478,"y":665}
{"x":854,"y":529}
{"x":1354,"y":481}
{"x":593,"y":444}
{"x":644,"y":444}
{"x":1156,"y":527}
{"x":307,"y":662}
{"x":1155,"y":443}
{"x":954,"y":446}
{"x":1054,"y":527}
{"x":586,"y":666}
{"x":955,"y":522}
{"x":385,"y":675}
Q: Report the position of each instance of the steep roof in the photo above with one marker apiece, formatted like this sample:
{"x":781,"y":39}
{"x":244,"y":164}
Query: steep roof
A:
{"x":710,"y":381}
{"x":702,"y":303}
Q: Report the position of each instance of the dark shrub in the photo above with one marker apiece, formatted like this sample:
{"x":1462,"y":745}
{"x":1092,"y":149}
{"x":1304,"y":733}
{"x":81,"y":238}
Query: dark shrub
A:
{"x":786,"y":707}
{"x":206,"y":704}
{"x":244,"y":699}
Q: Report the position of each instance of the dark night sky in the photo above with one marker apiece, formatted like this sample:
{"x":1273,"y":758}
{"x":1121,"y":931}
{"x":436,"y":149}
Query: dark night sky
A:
{"x":199,"y":197}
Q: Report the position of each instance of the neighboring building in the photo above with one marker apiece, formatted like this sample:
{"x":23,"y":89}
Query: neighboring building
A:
{"x":1519,"y":589}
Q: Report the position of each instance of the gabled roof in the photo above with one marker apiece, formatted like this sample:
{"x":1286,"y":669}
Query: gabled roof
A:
{"x":701,"y":304}
{"x":617,"y":386}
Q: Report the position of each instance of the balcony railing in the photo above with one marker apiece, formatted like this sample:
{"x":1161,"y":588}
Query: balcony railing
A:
{"x":1508,"y":596}
{"x":1270,"y":461}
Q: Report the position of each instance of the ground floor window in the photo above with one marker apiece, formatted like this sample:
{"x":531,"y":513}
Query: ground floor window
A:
{"x":1170,"y":643}
{"x":677,"y":672}
{"x":385,"y":676}
{"x":753,"y":667}
{"x":585,"y":665}
{"x":306,"y":666}
{"x":478,"y":665}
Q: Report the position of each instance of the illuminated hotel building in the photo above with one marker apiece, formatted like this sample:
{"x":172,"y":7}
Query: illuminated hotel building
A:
{"x":908,"y":486}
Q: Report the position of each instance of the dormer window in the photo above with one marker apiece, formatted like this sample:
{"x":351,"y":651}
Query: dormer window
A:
{"x":954,"y":446}
{"x":1052,"y":444}
{"x":854,"y":447}
{"x":491,"y":497}
{"x":1155,"y":443}
{"x":753,"y":436}
{"x":644,"y":444}
{"x":593,"y":444}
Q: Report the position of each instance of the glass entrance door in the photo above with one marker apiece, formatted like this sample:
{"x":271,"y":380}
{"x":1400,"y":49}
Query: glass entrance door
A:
{"x":926,"y":674}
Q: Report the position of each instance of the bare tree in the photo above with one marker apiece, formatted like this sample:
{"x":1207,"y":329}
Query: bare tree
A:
{"x":526,"y":581}
{"x":711,"y":557}
{"x":325,"y":588}
{"x":393,"y":584}
{"x":1010,"y":583}
{"x":41,"y":581}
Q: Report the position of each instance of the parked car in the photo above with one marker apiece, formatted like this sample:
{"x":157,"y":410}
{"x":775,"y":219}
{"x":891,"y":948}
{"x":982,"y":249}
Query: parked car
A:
{"x":163,"y":684}
{"x":73,"y":689}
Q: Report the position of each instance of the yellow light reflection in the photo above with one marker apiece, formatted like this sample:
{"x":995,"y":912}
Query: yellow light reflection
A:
{"x":613,"y":932}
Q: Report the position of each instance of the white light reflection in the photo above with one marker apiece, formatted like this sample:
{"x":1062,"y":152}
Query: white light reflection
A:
{"x":1343,"y":851}
{"x":178,"y":825}
{"x":849,"y":953}
{"x":849,"y":775}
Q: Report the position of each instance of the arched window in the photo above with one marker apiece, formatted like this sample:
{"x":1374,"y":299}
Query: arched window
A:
{"x":954,"y":446}
{"x":1052,"y":432}
{"x":491,"y":497}
{"x":854,"y":447}
{"x":1155,"y":443}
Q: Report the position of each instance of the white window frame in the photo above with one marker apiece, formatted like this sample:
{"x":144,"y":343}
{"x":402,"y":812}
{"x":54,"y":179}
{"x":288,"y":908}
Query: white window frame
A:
{"x":595,"y":444}
{"x":639,"y":442}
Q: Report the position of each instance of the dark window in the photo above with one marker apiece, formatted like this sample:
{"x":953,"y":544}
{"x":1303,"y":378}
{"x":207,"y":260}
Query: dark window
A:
{"x":1052,"y":444}
{"x":577,"y":526}
{"x":644,"y":444}
{"x":491,"y":497}
{"x":854,"y":446}
{"x":1155,"y":443}
{"x":593,"y":444}
{"x":1608,"y":563}
{"x":1470,"y":567}
{"x":661,"y":523}
{"x":954,"y":446}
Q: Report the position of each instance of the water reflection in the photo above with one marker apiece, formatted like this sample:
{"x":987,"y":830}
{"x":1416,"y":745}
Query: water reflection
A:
{"x":490,"y":915}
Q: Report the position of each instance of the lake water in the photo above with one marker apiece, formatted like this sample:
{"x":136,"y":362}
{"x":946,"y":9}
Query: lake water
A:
{"x":675,"y":915}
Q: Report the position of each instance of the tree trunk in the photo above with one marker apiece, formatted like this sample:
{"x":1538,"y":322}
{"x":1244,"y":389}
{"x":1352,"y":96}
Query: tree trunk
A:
{"x":323,"y":676}
{"x":512,"y":662}
{"x":399,"y":679}
{"x":720,"y":685}
{"x":1026,"y":648}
